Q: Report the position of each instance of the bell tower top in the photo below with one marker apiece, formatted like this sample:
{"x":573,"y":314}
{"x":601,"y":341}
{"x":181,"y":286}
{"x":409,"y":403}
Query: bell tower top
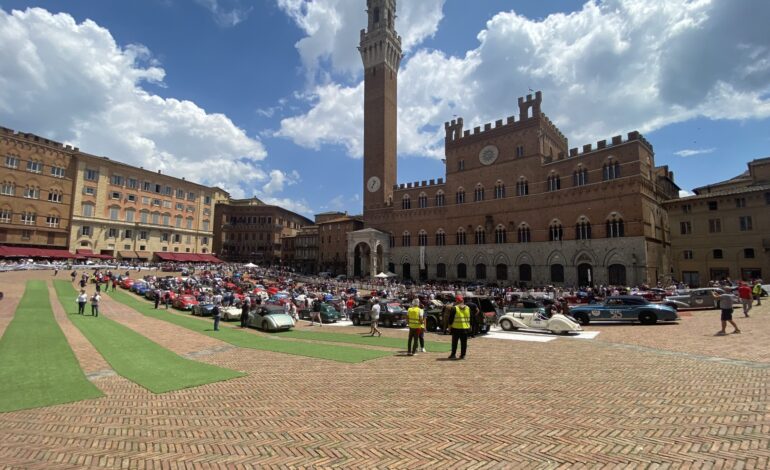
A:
{"x":379,"y":42}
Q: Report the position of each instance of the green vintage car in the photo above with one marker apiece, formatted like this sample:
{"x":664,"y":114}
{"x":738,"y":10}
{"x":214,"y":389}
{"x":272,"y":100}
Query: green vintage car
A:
{"x":329,"y":314}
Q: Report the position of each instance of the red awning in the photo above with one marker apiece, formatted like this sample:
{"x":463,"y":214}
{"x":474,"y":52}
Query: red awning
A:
{"x":29,"y":252}
{"x":164,"y":256}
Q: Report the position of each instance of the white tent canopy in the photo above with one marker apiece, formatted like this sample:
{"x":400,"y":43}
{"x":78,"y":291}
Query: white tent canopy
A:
{"x":382,"y":276}
{"x":250,"y":265}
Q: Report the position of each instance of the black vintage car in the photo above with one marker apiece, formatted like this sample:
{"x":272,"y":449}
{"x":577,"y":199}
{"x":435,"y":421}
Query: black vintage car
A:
{"x":391,"y":314}
{"x":484,"y":316}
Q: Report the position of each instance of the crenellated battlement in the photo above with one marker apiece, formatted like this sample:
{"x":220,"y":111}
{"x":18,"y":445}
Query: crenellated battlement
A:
{"x":35,"y":139}
{"x":529,"y":108}
{"x":419,"y":184}
{"x":602,"y":144}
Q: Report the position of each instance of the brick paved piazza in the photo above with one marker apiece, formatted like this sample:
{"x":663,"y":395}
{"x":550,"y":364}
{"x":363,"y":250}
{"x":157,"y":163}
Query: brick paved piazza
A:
{"x":667,"y":395}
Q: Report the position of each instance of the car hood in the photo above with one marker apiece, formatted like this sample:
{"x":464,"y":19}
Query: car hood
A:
{"x":281,"y":319}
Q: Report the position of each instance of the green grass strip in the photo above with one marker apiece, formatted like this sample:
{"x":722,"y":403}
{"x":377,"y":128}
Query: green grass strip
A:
{"x":397,"y":343}
{"x":136,"y":357}
{"x":37,"y":365}
{"x":245,"y":339}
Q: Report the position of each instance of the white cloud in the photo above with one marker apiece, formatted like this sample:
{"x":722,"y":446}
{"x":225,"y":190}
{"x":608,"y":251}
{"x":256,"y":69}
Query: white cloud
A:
{"x":685,"y":193}
{"x":278,"y":180}
{"x":71,"y":82}
{"x":226,"y":13}
{"x":609,"y":68}
{"x":333,"y":29}
{"x":299,"y":206}
{"x":692,"y":152}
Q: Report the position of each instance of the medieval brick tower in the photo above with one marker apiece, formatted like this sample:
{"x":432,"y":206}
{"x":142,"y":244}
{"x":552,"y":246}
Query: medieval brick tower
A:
{"x":381,"y":54}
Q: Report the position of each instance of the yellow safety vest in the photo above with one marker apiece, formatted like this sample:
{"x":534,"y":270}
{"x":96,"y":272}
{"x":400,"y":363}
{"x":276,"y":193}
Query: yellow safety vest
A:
{"x":462,"y":319}
{"x":413,"y":315}
{"x":757,"y":290}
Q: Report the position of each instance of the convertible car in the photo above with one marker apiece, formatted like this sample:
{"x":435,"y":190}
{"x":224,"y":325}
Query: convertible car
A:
{"x":270,"y":318}
{"x":185,"y":302}
{"x":538,"y":320}
{"x":203,"y":309}
{"x":624,"y":308}
{"x":231,"y":313}
{"x":329,"y":314}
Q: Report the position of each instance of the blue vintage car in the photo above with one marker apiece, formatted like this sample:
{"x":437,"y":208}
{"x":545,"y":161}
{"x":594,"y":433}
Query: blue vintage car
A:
{"x":628,"y":308}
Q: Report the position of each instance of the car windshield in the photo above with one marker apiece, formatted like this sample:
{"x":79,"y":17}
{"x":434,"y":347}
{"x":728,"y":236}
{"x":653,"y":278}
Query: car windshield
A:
{"x":394,"y":308}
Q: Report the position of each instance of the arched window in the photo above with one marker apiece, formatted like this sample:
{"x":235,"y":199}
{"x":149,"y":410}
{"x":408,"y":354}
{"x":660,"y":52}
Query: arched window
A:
{"x":130,"y":215}
{"x":462,"y":271}
{"x":406,"y":202}
{"x":583,"y":229}
{"x":617,"y":274}
{"x":501,"y":272}
{"x":422,"y":201}
{"x":524,"y":235}
{"x":167,"y":219}
{"x":422,"y":238}
{"x":525,"y":272}
{"x":144,"y":217}
{"x":522,"y":187}
{"x":156,"y":218}
{"x":114,"y":212}
{"x":499,"y":190}
{"x":8,"y":188}
{"x":554,"y":182}
{"x":500,"y":235}
{"x":441,"y":270}
{"x":439,"y":198}
{"x":481,"y":237}
{"x":189,"y":222}
{"x":31,"y":191}
{"x":406,"y":239}
{"x":391,"y":243}
{"x":615,"y":226}
{"x":611,"y":170}
{"x":557,"y":273}
{"x":88,"y":210}
{"x":481,"y":271}
{"x":460,"y":236}
{"x":376,"y":15}
{"x":460,"y":196}
{"x":580,"y":177}
{"x":478,"y":193}
{"x":52,"y":220}
{"x":555,"y":231}
{"x":178,"y":221}
{"x":440,"y":237}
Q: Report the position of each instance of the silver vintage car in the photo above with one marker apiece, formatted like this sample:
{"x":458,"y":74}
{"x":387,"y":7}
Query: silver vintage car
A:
{"x":707,"y":297}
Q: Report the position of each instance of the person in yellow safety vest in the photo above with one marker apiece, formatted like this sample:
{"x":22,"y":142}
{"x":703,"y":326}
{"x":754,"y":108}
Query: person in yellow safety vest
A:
{"x":460,"y":319}
{"x":757,"y":292}
{"x":414,"y":317}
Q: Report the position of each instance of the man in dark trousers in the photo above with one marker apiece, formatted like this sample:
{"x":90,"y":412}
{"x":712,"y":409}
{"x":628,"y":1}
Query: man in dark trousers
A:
{"x":245,"y":307}
{"x":460,"y":321}
{"x":215,"y":313}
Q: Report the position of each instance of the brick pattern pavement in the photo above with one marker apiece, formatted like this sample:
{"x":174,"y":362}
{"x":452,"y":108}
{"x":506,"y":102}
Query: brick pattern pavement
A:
{"x":562,"y":404}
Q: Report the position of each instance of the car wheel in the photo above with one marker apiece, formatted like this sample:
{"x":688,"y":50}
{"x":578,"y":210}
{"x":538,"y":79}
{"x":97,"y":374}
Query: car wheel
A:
{"x":431,"y":324}
{"x":388,"y":323}
{"x":356,"y":321}
{"x":647,"y":318}
{"x":583,"y":319}
{"x":506,"y":325}
{"x":264,"y":325}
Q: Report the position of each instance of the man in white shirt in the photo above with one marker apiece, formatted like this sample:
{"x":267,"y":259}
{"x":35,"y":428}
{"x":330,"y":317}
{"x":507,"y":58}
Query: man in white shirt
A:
{"x":374,"y":316}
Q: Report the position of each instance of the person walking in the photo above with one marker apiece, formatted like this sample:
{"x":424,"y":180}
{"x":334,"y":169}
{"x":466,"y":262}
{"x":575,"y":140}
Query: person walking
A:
{"x":414,"y":317}
{"x":245,"y":307}
{"x":216,"y":314}
{"x":460,"y":319}
{"x":73,"y":275}
{"x":316,"y":313}
{"x":374,"y":317}
{"x":745,"y":294}
{"x":157,"y":295}
{"x":114,"y":284}
{"x":757,"y":291}
{"x":95,"y":303}
{"x":726,"y":305}
{"x":82,"y":300}
{"x":167,"y":298}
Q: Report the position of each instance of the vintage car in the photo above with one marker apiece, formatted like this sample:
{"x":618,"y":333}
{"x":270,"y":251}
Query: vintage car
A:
{"x":539,"y":320}
{"x":487,"y":314}
{"x":203,"y":309}
{"x":624,"y":308}
{"x":231,"y":313}
{"x":329,"y":314}
{"x":707,"y":297}
{"x":126,"y":283}
{"x":391,"y":314}
{"x":185,"y":302}
{"x":270,"y":318}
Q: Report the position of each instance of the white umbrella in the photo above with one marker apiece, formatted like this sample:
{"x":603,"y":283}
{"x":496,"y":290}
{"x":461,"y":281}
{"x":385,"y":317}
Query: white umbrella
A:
{"x":250,"y":265}
{"x":382,"y":276}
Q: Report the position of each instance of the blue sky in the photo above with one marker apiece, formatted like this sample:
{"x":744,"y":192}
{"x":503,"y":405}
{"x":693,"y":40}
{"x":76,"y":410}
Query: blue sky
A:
{"x":264,"y":97}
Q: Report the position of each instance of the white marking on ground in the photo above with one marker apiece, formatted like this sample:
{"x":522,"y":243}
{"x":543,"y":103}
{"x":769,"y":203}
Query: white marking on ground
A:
{"x":584,"y":335}
{"x":516,"y":336}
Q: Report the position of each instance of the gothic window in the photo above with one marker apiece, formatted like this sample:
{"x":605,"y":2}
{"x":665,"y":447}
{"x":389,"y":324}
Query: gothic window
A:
{"x":422,"y":201}
{"x":499,"y":190}
{"x":583,"y":229}
{"x":554,"y":182}
{"x":376,"y":15}
{"x":391,"y":241}
{"x":524,"y":234}
{"x":580,"y":177}
{"x":478,"y":193}
{"x":439,"y":198}
{"x":481,"y":236}
{"x":460,"y":196}
{"x":406,"y":202}
{"x":522,"y":187}
{"x":422,"y":238}
{"x":406,"y":239}
{"x":440,"y":237}
{"x":460,"y":236}
{"x":611,"y":170}
{"x":555,"y":231}
{"x":615,"y":226}
{"x":441,"y":270}
{"x":462,"y":271}
{"x":500,"y":235}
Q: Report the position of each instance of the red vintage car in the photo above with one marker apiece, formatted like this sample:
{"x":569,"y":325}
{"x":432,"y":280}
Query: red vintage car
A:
{"x":126,"y":283}
{"x":185,"y":302}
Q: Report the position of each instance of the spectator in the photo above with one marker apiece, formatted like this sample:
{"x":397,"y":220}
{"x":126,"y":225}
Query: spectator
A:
{"x":82,"y":300}
{"x":744,"y":292}
{"x":757,"y":291}
{"x":726,"y":305}
{"x":374,"y":316}
{"x":95,"y":303}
